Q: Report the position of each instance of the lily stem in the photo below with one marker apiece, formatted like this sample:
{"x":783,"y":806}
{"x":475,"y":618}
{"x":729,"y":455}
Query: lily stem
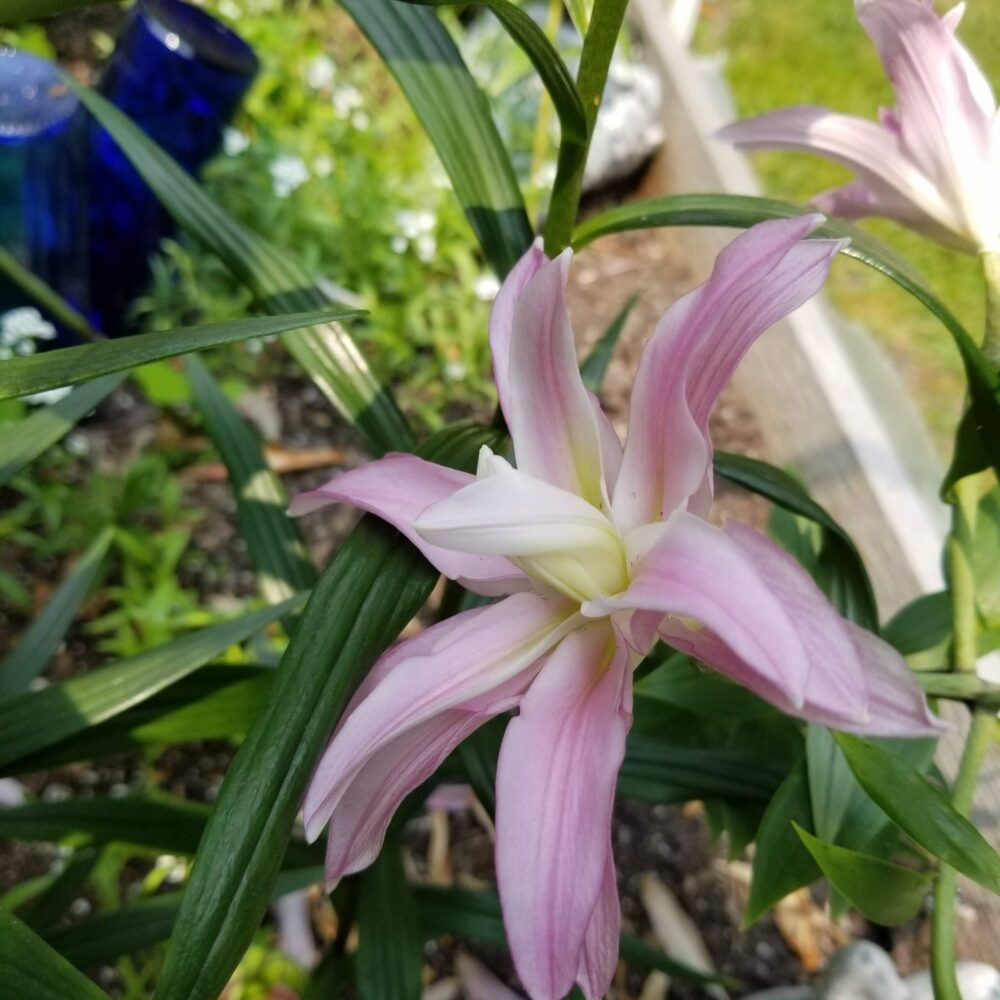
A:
{"x":943,"y":923}
{"x":598,"y":48}
{"x":961,"y":582}
{"x":991,"y":272}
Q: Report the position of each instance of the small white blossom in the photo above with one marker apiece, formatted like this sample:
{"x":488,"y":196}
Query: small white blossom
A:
{"x":398,"y":244}
{"x":426,"y":247}
{"x":346,"y":100}
{"x":486,"y":287}
{"x":20,"y":328}
{"x":323,"y":165}
{"x":415,"y":223}
{"x":320,"y":72}
{"x":288,"y":173}
{"x":234,"y":141}
{"x":455,"y":370}
{"x":360,"y":120}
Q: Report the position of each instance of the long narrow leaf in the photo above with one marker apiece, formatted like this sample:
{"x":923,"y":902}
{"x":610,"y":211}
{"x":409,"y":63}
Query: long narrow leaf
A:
{"x":23,"y":443}
{"x":213,"y":703}
{"x":421,"y":55}
{"x":742,"y":211}
{"x":26,"y":660}
{"x":33,"y":970}
{"x":843,"y":573}
{"x":277,"y":551}
{"x":156,"y":824}
{"x":72,"y":365}
{"x":595,"y":365}
{"x":49,"y":299}
{"x":48,"y":906}
{"x":922,"y":811}
{"x":37,"y":719}
{"x":326,"y":352}
{"x":370,"y":590}
{"x":389,"y":957}
{"x":109,"y":935}
{"x":555,"y":76}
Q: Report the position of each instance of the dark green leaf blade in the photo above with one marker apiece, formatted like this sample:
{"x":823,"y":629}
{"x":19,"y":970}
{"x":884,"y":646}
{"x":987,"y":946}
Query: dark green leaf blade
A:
{"x":37,"y":719}
{"x":26,"y":660}
{"x":23,"y":443}
{"x":596,"y":363}
{"x":781,"y":863}
{"x":421,"y":55}
{"x":71,"y":365}
{"x":921,"y":810}
{"x":326,"y":352}
{"x":275,"y":546}
{"x":34,"y":971}
{"x":389,"y":945}
{"x":885,"y":893}
{"x":376,"y":583}
{"x":555,"y":77}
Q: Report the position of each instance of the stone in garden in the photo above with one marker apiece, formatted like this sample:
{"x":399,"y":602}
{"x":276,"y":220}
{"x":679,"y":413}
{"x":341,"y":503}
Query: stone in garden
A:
{"x":861,"y":971}
{"x":976,"y":981}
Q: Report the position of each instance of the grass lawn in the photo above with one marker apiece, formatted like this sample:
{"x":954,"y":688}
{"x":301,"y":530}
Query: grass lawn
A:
{"x":783,"y":52}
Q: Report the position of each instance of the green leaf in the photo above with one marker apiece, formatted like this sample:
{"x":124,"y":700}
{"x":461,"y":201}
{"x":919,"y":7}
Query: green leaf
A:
{"x":331,"y":978}
{"x":158,"y":824}
{"x":49,"y":299}
{"x":214,"y":703}
{"x":781,"y":864}
{"x":478,"y":754}
{"x":71,"y":365}
{"x":48,"y":906}
{"x":982,"y":554}
{"x":161,"y":824}
{"x":551,"y":69}
{"x":475,"y":915}
{"x":25,"y":441}
{"x":32,"y":970}
{"x":370,"y":590}
{"x":26,"y":660}
{"x":37,"y":719}
{"x":389,"y":959}
{"x":743,"y":211}
{"x":655,"y":770}
{"x":839,"y":567}
{"x":454,"y":112}
{"x":921,"y":810}
{"x":107,"y":936}
{"x":923,"y":626}
{"x":275,"y":546}
{"x":326,"y":352}
{"x":885,"y":893}
{"x":596,"y":363}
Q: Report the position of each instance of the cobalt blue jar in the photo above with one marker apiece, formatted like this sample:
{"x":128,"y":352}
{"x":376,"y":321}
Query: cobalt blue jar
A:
{"x":41,"y":219}
{"x":180,"y":75}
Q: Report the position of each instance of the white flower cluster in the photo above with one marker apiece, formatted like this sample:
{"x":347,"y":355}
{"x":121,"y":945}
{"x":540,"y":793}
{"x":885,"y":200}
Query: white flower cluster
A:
{"x":288,"y":173}
{"x":416,"y":227}
{"x":20,"y":329}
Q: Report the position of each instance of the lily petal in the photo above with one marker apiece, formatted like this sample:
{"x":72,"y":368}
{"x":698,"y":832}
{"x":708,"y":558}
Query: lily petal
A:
{"x":502,"y":319}
{"x":551,"y":419}
{"x":556,"y":536}
{"x":554,"y":821}
{"x":944,"y":108}
{"x":599,"y":956}
{"x":460,"y":664}
{"x":397,"y":489}
{"x":761,"y":276}
{"x":873,"y":152}
{"x":689,"y":569}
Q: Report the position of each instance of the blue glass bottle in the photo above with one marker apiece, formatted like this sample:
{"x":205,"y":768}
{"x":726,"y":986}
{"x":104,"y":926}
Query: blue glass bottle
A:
{"x":180,"y":75}
{"x":41,"y":221}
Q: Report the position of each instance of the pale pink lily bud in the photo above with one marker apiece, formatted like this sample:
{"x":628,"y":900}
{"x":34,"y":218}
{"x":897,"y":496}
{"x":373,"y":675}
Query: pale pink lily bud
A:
{"x":931,"y":163}
{"x":600,"y":550}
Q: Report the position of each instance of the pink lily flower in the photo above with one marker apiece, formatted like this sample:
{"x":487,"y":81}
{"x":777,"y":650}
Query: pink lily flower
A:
{"x":600,"y":550}
{"x":933,"y":163}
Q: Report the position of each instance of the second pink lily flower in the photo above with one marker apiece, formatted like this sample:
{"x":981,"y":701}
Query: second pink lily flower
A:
{"x":601,"y":550}
{"x":933,"y":161}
